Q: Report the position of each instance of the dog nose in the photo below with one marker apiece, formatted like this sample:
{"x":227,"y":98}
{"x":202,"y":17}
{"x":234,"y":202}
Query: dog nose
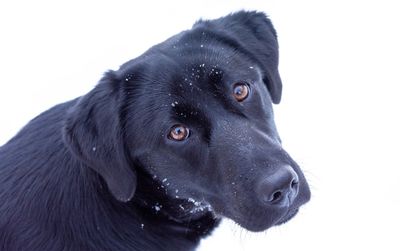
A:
{"x":280,"y":188}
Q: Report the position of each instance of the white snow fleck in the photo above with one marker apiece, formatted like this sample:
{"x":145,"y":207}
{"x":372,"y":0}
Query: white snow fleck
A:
{"x":142,"y":225}
{"x":181,"y":207}
{"x":94,"y":149}
{"x":176,"y":191}
{"x":157,"y":208}
{"x":176,"y":102}
{"x":172,"y":104}
{"x":164,"y":180}
{"x":200,"y":208}
{"x":201,"y":46}
{"x":251,"y":67}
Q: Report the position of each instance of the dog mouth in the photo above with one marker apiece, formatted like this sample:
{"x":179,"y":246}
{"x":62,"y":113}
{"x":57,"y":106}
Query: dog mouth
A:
{"x":188,"y":209}
{"x":193,"y":209}
{"x":287,"y":217}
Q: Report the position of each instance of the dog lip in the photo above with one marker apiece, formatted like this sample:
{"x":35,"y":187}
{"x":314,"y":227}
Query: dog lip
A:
{"x":287,"y":217}
{"x":191,"y":209}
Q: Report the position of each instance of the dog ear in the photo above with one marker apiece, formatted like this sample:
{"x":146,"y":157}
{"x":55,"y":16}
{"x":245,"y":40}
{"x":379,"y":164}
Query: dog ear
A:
{"x":93,"y":132}
{"x":253,"y":34}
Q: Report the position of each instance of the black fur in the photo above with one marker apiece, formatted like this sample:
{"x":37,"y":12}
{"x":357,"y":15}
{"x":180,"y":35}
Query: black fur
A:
{"x":99,"y":173}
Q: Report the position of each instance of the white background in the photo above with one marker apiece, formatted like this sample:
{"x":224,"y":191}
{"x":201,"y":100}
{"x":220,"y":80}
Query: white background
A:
{"x":339,"y":116}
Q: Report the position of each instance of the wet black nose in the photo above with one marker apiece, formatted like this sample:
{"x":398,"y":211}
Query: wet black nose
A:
{"x":279,"y":188}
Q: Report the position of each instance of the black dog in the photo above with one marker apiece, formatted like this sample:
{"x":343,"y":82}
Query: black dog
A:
{"x":158,"y":151}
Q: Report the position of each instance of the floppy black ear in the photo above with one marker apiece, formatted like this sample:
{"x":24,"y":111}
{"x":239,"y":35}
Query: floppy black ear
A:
{"x":93,"y":132}
{"x":254,"y":35}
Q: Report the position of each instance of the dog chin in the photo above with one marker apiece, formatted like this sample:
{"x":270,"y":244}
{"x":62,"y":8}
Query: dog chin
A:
{"x":259,"y":226}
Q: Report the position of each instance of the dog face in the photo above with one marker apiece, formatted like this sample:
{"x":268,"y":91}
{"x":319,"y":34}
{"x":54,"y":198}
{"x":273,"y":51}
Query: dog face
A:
{"x":189,"y":126}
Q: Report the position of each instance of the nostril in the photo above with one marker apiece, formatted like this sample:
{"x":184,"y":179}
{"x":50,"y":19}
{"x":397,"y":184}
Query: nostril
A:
{"x":276,"y":196}
{"x":294,"y":184}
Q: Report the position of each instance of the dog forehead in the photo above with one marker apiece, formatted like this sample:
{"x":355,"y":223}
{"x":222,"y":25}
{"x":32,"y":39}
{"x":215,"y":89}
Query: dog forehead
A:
{"x":186,"y":70}
{"x":193,"y":85}
{"x":205,"y":78}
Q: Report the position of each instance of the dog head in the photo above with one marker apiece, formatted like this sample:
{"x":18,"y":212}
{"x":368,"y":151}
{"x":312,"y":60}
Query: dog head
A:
{"x":189,"y":126}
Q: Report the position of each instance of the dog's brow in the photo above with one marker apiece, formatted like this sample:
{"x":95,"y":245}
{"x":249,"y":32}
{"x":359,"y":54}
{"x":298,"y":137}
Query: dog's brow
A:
{"x":191,"y":111}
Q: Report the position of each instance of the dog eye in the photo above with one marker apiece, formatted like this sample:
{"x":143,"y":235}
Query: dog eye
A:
{"x":241,"y":91}
{"x":179,"y":133}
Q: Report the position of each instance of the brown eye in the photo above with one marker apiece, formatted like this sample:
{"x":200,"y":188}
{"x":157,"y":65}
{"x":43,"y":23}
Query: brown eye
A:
{"x":240,"y":91}
{"x":178,"y":133}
